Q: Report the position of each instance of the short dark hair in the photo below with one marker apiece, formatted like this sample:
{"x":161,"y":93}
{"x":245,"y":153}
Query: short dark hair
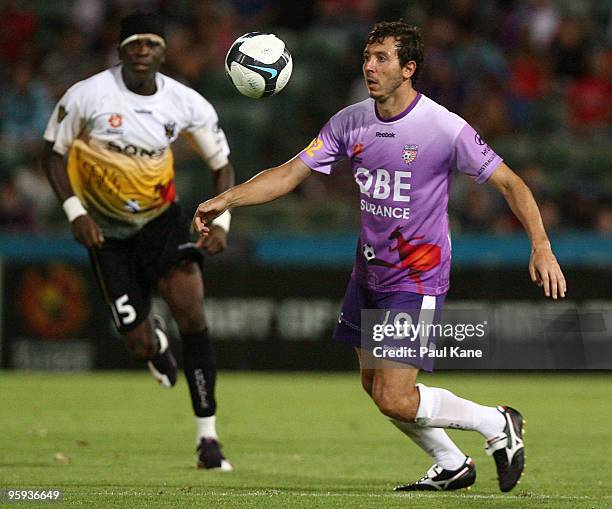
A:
{"x":408,"y":40}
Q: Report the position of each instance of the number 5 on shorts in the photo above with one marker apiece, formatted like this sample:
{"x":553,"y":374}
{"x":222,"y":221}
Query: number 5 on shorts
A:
{"x":124,"y":310}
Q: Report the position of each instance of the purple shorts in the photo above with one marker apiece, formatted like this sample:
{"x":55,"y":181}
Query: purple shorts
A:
{"x":357,"y":298}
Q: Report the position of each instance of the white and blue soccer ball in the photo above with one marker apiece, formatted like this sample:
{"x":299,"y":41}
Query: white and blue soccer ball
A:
{"x":258,"y":65}
{"x":368,"y":252}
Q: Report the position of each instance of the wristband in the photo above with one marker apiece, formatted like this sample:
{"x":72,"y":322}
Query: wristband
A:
{"x":223,"y":221}
{"x":73,"y":208}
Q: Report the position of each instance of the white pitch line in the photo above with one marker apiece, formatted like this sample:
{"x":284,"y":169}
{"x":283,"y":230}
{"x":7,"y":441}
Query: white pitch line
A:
{"x":274,"y":493}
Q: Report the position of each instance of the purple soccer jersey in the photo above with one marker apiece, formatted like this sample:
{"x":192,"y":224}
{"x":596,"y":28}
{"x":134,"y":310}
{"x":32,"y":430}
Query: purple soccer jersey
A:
{"x":403,"y":167}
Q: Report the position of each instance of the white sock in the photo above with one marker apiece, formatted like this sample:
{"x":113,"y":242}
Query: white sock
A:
{"x":205,"y":428}
{"x":435,"y":442}
{"x":440,"y":408}
{"x":163,"y":340}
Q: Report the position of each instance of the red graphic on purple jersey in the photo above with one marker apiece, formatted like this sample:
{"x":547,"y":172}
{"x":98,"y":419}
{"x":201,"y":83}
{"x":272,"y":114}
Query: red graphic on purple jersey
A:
{"x":416,"y":258}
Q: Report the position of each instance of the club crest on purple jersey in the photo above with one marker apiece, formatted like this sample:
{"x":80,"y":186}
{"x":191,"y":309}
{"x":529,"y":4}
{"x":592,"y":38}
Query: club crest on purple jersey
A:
{"x":409,"y":153}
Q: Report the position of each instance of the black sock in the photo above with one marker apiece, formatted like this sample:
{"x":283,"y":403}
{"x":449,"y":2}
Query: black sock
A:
{"x":201,"y":372}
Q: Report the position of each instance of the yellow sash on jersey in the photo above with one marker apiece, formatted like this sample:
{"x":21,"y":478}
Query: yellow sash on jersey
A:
{"x":128,"y":188}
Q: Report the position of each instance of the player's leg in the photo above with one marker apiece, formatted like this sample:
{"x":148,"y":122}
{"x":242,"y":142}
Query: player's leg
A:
{"x":366,"y":374}
{"x":181,"y":285}
{"x":456,"y":470}
{"x":397,"y":396}
{"x":183,"y":289}
{"x":502,"y":428}
{"x":434,"y":441}
{"x":440,"y":408}
{"x":162,"y":365}
{"x":452,"y":469}
{"x":128,"y":298}
{"x":433,"y":408}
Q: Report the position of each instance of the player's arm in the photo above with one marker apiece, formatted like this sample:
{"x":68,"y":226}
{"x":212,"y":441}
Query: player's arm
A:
{"x":211,"y":145}
{"x":84,"y":228}
{"x":543,"y":267}
{"x":264,"y":187}
{"x":223,"y":178}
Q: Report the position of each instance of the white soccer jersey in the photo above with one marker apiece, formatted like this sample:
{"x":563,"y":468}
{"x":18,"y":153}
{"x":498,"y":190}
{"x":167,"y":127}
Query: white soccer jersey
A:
{"x":119,"y":158}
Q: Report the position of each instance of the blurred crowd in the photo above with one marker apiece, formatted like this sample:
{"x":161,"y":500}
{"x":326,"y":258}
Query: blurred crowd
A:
{"x":532,"y":76}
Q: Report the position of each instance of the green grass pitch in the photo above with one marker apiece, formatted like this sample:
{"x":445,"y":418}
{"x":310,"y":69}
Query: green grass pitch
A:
{"x":296,"y":440}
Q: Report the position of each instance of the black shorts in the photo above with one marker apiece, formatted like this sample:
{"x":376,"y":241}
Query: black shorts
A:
{"x":128,"y":270}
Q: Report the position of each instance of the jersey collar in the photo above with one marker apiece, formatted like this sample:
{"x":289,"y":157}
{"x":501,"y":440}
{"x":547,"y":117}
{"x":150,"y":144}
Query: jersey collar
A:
{"x":400,"y":115}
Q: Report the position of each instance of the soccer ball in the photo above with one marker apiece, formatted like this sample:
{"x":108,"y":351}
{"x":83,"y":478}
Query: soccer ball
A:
{"x":368,"y":252}
{"x":258,"y":65}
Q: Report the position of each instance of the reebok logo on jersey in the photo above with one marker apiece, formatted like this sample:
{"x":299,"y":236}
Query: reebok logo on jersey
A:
{"x":385,"y":135}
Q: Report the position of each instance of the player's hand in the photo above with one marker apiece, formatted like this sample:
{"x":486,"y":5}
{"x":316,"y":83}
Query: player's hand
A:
{"x":87,"y":231}
{"x":215,"y":241}
{"x":206,"y":212}
{"x":545,"y":271}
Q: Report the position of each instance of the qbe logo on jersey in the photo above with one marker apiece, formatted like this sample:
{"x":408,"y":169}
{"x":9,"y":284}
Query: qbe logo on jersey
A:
{"x":384,"y":185}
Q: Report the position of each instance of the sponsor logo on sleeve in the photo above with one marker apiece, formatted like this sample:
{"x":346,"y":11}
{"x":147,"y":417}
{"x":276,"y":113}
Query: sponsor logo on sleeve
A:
{"x":62,"y":113}
{"x":314,"y":145}
{"x":486,"y":164}
{"x":479,"y":141}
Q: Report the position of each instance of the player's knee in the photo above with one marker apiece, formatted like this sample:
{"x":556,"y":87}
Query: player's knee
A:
{"x":367,"y":386}
{"x":190,"y":321}
{"x":384,"y":397}
{"x":140,"y":344}
{"x":366,"y":383}
{"x":394,"y":404}
{"x":387,"y":405}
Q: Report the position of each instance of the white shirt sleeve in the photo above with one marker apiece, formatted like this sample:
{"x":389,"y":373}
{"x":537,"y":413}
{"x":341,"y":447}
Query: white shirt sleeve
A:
{"x":67,"y":120}
{"x":206,"y":134}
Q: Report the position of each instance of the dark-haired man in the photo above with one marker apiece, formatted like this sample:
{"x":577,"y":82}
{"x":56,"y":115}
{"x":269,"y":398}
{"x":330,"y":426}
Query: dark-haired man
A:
{"x":403,"y":148}
{"x":108,"y":158}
